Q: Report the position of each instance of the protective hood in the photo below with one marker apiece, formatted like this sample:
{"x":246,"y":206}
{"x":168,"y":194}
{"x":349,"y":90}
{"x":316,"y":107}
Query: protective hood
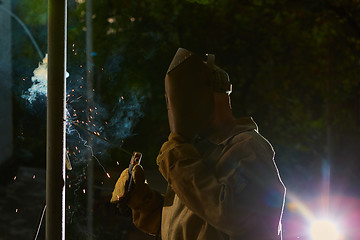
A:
{"x":189,"y":93}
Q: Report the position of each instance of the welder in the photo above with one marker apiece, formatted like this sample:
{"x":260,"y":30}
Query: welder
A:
{"x":223,"y":182}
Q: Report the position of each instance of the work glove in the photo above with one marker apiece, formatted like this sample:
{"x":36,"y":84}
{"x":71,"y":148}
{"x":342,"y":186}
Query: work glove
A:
{"x":138,"y":192}
{"x":175,"y":141}
{"x":145,"y":203}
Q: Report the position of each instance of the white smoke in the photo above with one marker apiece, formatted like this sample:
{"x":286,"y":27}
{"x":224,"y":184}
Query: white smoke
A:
{"x":39,"y":80}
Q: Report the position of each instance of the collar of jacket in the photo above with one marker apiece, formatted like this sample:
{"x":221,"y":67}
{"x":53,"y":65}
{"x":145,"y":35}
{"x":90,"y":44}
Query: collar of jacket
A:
{"x":224,"y":134}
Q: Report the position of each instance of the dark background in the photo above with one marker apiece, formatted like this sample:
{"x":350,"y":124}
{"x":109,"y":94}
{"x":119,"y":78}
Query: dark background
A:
{"x":294,"y":66}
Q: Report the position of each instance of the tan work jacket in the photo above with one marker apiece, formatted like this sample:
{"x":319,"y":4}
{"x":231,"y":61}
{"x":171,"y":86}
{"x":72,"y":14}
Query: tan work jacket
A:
{"x":226,"y":186}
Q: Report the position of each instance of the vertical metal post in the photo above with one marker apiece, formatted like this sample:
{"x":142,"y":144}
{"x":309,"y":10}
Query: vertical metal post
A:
{"x":55,"y":156}
{"x":6,"y":128}
{"x":89,"y":78}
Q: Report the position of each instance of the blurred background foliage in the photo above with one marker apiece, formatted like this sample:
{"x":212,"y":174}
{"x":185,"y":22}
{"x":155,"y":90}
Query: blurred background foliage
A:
{"x":294,"y":66}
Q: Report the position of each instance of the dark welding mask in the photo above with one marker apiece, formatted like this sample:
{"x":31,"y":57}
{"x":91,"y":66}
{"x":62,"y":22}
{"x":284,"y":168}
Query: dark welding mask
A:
{"x":189,"y":86}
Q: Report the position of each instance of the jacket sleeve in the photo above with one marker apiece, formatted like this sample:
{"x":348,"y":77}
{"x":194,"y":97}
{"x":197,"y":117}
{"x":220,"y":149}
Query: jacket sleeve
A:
{"x":147,"y":217}
{"x":233,"y":204}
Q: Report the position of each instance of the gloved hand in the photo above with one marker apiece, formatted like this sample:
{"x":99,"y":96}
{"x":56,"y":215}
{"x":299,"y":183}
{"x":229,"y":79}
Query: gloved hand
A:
{"x":174,"y":141}
{"x":146,"y":204}
{"x":139,"y":192}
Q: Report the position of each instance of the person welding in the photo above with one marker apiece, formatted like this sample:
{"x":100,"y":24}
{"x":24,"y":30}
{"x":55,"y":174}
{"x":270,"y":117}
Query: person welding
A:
{"x":223,"y":182}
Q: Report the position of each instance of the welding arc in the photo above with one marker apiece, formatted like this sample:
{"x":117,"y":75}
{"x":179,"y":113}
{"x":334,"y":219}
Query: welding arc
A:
{"x":104,"y":139}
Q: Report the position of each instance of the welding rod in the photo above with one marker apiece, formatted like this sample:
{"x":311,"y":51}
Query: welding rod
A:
{"x":135,"y":160}
{"x":68,"y":163}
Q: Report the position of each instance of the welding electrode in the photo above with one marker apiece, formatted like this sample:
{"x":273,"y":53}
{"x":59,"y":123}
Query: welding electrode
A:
{"x":135,"y":160}
{"x":68,"y":163}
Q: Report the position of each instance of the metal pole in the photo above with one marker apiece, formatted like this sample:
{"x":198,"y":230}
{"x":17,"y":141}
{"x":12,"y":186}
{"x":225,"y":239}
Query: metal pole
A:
{"x":89,"y":78}
{"x":55,"y":155}
{"x":6,"y":128}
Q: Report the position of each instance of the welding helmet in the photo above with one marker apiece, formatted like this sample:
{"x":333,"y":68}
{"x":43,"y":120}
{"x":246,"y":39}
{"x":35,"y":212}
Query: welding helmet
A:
{"x":189,"y":86}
